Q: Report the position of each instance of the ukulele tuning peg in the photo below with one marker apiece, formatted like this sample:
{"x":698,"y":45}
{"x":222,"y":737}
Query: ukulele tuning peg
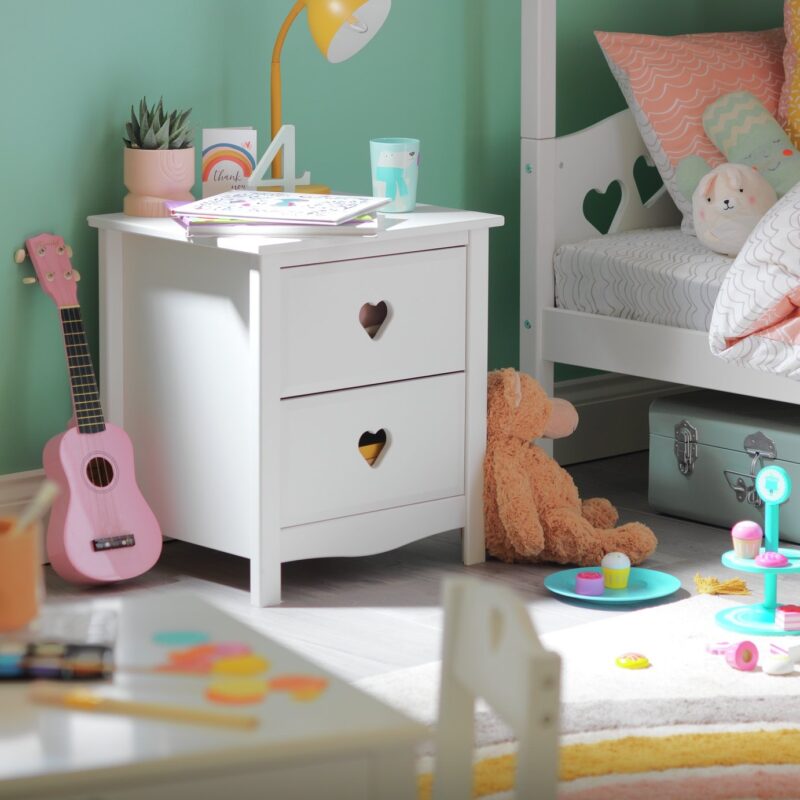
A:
{"x":76,"y":275}
{"x":20,"y":255}
{"x":29,"y":281}
{"x":69,"y":252}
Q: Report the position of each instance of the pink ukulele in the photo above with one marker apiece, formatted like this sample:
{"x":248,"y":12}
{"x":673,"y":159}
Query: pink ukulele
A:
{"x":101,"y":529}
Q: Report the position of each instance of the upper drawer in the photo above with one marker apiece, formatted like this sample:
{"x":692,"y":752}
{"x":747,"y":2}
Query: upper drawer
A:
{"x":325,"y":345}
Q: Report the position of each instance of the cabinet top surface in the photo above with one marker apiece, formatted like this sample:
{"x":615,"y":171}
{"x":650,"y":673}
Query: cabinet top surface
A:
{"x":425,"y":220}
{"x":41,"y":745}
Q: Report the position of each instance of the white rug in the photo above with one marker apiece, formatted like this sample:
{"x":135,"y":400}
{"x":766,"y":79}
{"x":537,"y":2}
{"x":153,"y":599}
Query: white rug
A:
{"x":684,"y":685}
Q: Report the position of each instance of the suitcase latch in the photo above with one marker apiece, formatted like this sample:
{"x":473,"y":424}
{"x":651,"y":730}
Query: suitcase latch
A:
{"x":685,"y":446}
{"x":758,"y":446}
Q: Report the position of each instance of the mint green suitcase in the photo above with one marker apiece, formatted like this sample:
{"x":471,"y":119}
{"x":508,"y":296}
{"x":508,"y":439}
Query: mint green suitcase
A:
{"x":706,"y":448}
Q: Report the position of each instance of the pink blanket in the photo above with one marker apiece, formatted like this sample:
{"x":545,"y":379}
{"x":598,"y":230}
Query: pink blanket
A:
{"x":756,"y":320}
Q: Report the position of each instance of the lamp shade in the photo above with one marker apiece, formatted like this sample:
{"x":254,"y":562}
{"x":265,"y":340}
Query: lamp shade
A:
{"x":342,"y":27}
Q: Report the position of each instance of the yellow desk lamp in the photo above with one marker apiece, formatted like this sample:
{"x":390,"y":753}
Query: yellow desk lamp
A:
{"x":340,"y":29}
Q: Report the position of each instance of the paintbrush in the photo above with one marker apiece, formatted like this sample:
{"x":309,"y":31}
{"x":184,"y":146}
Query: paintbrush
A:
{"x":36,"y":509}
{"x":83,"y":700}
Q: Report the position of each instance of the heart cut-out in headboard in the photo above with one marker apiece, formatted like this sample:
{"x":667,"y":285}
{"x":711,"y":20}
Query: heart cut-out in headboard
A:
{"x":372,"y":317}
{"x":647,"y":178}
{"x":600,"y":208}
{"x":371,"y":445}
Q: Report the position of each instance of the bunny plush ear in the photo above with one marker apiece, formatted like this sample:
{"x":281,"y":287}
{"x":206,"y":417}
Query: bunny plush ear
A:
{"x":735,"y":174}
{"x":706,"y":185}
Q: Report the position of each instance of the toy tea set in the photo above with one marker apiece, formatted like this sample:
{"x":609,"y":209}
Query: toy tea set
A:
{"x":616,"y":583}
{"x":774,"y":486}
{"x":770,"y":618}
{"x":619,"y":583}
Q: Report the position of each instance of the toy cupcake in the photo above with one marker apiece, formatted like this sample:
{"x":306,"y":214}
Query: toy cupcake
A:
{"x":589,"y":583}
{"x":746,"y":537}
{"x":616,"y":570}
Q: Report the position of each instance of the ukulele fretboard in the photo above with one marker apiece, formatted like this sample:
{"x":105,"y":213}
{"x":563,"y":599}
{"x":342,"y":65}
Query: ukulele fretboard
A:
{"x":83,"y":384}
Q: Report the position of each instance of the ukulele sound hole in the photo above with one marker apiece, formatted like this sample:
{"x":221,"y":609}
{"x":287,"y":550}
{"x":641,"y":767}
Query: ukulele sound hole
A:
{"x":100,"y":472}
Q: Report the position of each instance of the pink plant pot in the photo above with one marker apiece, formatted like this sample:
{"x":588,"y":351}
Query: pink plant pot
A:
{"x":153,"y":176}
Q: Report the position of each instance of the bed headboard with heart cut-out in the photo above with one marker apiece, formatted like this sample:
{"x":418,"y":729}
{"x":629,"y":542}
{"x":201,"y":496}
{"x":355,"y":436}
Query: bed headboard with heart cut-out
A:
{"x":596,"y":181}
{"x":600,"y":180}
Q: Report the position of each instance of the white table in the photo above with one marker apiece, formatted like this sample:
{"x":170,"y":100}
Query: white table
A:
{"x":242,"y":373}
{"x":344,"y":744}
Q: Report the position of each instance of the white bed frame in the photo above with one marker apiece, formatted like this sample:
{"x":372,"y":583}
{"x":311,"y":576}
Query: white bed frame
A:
{"x":556,"y":175}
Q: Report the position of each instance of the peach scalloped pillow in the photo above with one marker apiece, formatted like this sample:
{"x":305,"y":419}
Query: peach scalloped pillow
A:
{"x":668,"y":81}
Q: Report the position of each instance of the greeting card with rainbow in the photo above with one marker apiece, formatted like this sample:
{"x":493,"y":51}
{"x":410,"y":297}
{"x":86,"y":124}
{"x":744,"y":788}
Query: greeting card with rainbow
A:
{"x":229,"y":158}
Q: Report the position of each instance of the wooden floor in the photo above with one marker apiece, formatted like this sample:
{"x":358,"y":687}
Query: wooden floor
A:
{"x":365,"y":616}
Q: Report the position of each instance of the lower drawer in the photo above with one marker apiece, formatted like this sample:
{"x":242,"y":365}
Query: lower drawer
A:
{"x":324,"y":474}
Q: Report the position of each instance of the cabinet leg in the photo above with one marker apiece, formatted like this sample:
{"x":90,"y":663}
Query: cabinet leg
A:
{"x":265,"y":583}
{"x":473,"y":546}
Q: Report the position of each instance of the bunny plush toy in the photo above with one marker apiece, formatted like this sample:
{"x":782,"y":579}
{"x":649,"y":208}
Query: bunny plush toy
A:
{"x":727,"y":204}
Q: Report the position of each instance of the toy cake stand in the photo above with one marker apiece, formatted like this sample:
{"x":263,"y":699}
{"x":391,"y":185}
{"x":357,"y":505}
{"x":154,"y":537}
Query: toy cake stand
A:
{"x":774,"y":486}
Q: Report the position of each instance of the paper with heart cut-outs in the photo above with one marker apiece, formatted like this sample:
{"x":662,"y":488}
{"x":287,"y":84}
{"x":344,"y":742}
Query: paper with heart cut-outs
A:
{"x":371,"y":445}
{"x":249,"y":691}
{"x":372,"y":317}
{"x":299,"y":687}
{"x":237,"y":673}
{"x":232,"y":658}
{"x":600,"y":208}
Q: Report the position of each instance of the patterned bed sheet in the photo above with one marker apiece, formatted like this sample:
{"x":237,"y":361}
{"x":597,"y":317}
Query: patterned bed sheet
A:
{"x":657,"y":275}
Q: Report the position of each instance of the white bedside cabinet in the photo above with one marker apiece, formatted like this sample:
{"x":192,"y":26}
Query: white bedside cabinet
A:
{"x":241,"y":371}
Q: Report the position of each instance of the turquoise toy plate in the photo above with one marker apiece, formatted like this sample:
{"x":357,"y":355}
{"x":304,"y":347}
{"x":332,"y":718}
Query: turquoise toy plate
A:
{"x":643,"y":585}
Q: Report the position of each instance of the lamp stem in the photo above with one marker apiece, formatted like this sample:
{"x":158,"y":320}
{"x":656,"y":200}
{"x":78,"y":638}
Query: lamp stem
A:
{"x":275,"y":83}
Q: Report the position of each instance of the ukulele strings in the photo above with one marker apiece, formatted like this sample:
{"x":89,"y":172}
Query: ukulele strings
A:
{"x":97,"y":463}
{"x":100,"y":462}
{"x":77,"y":391}
{"x":97,"y":466}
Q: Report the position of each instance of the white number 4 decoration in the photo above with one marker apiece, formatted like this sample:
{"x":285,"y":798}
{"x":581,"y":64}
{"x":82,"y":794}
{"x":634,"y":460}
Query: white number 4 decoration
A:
{"x":283,"y":141}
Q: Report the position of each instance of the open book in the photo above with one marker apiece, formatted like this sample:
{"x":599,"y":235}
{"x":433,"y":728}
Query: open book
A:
{"x":198,"y":227}
{"x":283,"y":207}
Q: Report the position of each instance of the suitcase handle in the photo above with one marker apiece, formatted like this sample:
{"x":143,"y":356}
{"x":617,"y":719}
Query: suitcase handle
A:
{"x":744,"y":491}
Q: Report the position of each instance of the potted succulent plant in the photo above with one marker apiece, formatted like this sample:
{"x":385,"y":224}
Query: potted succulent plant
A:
{"x":159,"y":159}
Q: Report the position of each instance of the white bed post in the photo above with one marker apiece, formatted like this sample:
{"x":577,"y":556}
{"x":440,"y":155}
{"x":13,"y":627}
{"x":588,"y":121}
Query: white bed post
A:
{"x":538,"y":183}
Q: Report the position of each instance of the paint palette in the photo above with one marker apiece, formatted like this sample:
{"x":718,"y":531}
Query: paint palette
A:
{"x":55,"y":661}
{"x":238,"y":674}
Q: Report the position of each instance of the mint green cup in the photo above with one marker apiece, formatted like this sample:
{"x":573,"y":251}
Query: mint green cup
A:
{"x":395,"y":169}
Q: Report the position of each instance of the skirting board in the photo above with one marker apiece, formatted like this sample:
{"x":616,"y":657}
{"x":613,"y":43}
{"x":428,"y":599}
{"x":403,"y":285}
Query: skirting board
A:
{"x":613,"y":415}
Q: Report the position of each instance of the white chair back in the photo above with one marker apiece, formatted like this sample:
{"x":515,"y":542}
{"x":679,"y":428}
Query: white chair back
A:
{"x":491,"y":651}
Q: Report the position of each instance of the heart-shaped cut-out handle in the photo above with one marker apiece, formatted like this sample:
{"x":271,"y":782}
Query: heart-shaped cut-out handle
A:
{"x":600,"y":208}
{"x":371,"y":445}
{"x":647,"y":178}
{"x":372,"y":316}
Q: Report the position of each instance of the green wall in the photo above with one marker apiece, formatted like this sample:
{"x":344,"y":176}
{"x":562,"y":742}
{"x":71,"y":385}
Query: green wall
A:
{"x":68,"y":72}
{"x":446,"y":71}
